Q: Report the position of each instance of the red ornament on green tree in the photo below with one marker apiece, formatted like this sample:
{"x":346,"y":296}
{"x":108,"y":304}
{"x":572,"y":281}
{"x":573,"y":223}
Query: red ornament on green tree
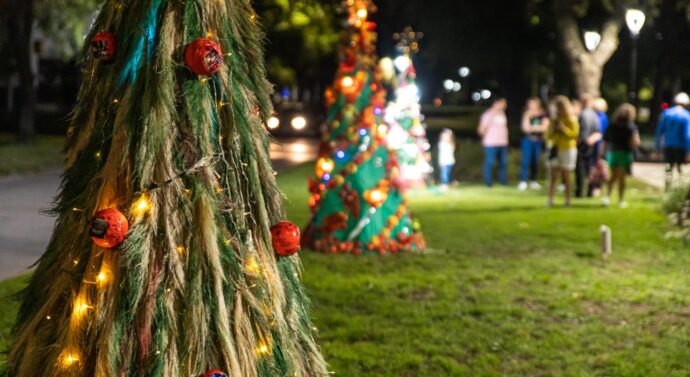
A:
{"x":108,"y":228}
{"x":203,"y":56}
{"x":104,"y":46}
{"x":215,"y":373}
{"x":285,"y":238}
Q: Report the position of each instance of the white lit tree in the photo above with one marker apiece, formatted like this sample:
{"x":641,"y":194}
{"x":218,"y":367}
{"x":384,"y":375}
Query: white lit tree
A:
{"x":407,"y":134}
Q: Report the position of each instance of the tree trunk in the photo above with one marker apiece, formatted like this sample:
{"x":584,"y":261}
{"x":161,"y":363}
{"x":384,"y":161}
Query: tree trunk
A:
{"x":587,"y":74}
{"x":20,"y":36}
{"x":586,"y":67}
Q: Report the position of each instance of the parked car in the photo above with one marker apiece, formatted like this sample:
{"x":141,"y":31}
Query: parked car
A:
{"x":295,"y":119}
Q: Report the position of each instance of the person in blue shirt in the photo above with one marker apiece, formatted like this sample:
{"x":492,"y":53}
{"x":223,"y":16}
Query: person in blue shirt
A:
{"x":673,"y":136}
{"x":602,"y":108}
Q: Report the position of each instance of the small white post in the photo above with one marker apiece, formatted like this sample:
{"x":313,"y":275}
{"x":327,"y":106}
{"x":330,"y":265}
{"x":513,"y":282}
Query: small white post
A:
{"x":606,"y":245}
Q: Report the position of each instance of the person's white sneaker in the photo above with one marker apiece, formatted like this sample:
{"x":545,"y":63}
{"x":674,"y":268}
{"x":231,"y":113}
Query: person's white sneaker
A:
{"x":606,"y":201}
{"x":534,"y":186}
{"x":623,"y":205}
{"x":561,"y":187}
{"x":522,"y":186}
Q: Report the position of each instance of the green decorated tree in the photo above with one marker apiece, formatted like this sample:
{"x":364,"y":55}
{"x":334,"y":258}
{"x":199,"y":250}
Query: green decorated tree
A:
{"x":406,"y":133}
{"x":170,"y":256}
{"x":357,"y":203}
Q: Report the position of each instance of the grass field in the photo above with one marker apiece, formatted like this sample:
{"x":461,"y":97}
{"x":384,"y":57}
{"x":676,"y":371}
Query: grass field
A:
{"x":509,"y":288}
{"x":42,"y":154}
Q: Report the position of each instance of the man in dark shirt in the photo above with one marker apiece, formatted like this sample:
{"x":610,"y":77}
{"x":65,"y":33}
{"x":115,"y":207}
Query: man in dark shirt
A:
{"x":590,"y":134}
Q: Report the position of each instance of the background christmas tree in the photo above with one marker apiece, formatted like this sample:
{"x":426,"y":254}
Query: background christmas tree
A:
{"x":357,"y":203}
{"x":406,"y":133}
{"x":162,"y":260}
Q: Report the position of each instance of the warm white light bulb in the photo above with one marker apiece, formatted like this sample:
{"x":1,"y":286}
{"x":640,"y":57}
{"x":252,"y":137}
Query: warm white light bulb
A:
{"x":142,"y":205}
{"x":347,"y":81}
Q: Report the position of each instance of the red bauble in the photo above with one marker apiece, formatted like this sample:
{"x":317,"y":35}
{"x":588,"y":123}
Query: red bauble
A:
{"x":108,"y":228}
{"x":103,"y":46}
{"x":203,"y":56}
{"x":215,"y":373}
{"x":285,"y":238}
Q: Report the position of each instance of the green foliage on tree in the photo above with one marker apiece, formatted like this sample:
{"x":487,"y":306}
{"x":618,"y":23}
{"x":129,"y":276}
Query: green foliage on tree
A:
{"x":300,"y":33}
{"x":66,"y":21}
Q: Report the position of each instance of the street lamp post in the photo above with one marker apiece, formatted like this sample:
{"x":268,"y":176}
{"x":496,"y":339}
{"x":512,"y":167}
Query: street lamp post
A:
{"x":634,"y":18}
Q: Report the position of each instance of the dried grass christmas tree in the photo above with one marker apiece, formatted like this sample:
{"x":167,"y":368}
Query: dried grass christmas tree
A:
{"x":178,"y":275}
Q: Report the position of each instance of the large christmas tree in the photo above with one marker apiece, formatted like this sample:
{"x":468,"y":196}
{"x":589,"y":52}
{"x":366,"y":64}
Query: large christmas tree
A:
{"x":163,"y":260}
{"x":407,"y":134}
{"x":357,"y":203}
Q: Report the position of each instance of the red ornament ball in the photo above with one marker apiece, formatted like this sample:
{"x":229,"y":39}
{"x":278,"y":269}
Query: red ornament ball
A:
{"x":285,"y":238}
{"x":104,"y":46}
{"x":203,"y":56}
{"x":108,"y":228}
{"x":215,"y":373}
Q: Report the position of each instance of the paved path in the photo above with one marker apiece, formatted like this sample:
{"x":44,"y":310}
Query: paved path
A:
{"x":25,"y":231}
{"x":653,"y":174}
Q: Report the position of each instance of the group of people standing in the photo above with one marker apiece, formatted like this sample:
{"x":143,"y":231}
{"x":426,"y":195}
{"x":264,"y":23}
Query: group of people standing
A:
{"x":577,"y":139}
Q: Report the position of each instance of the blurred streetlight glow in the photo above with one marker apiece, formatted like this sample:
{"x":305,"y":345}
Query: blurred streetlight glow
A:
{"x":485,"y":94}
{"x":476,"y":97}
{"x":456,"y":86}
{"x":448,"y":85}
{"x":592,"y":40}
{"x":464,"y":72}
{"x":635,"y":19}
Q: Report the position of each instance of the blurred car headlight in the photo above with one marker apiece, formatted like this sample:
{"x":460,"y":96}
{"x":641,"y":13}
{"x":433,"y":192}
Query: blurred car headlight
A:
{"x":299,"y":123}
{"x":273,"y":123}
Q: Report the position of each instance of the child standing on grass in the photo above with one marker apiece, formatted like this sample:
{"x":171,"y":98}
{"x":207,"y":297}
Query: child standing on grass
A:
{"x":621,"y":138}
{"x":562,"y":137}
{"x":446,"y":157}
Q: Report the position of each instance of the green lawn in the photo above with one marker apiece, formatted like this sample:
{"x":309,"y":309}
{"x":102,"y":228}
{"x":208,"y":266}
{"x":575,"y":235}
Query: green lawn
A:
{"x":43,"y":153}
{"x":510,"y":288}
